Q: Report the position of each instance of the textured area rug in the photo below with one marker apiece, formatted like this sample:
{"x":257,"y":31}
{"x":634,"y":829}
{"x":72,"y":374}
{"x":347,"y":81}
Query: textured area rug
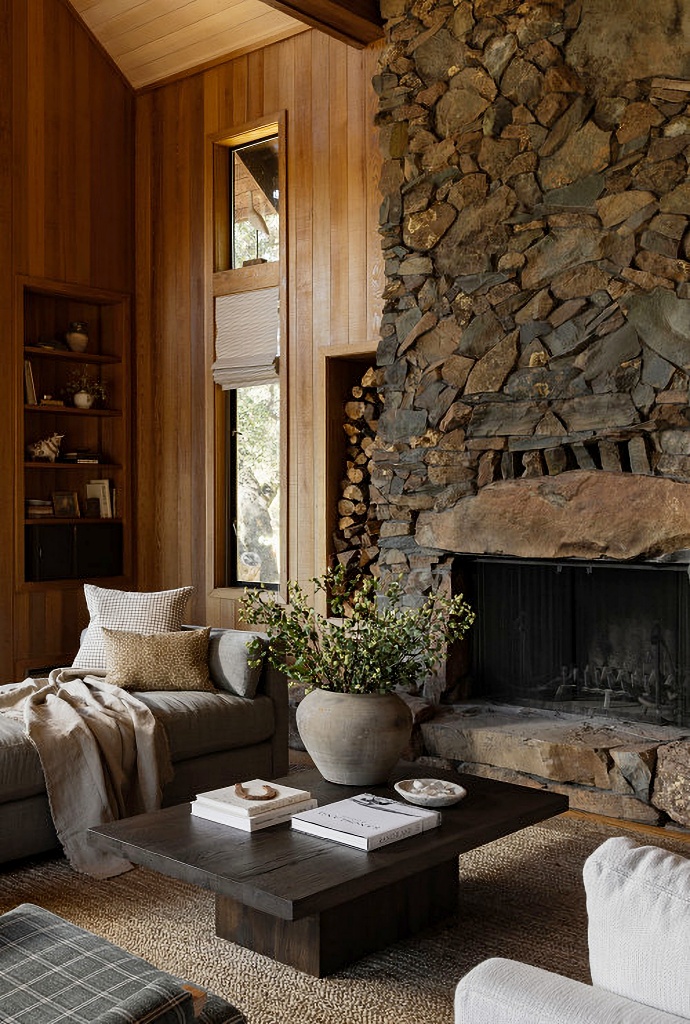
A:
{"x":520,"y":897}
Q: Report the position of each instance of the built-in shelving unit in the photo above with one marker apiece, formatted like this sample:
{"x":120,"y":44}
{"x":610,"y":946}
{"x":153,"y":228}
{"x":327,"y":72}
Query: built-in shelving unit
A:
{"x":65,"y":539}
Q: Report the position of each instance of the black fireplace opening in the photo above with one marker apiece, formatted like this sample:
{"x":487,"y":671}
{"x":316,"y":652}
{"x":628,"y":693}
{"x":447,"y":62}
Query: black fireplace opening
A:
{"x":591,"y":637}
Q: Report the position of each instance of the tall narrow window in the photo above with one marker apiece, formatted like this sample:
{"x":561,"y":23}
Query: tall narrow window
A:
{"x":247,"y":190}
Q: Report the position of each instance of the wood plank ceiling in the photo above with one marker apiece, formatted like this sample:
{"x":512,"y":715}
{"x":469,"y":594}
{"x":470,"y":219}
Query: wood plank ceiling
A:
{"x":152,"y":41}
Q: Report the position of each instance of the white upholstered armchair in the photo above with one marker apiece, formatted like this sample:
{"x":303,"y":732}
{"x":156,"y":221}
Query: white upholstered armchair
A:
{"x":638,"y":905}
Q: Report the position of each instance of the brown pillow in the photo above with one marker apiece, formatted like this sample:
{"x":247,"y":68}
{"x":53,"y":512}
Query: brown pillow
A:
{"x":157,"y":661}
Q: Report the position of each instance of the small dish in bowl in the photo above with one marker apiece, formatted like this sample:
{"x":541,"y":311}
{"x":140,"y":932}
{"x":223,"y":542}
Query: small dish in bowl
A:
{"x":430,"y":792}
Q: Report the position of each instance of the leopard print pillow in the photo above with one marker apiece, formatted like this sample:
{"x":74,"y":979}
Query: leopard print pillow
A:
{"x":157,"y":661}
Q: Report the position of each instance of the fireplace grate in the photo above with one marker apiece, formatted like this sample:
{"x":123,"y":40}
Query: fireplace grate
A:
{"x":596,"y":637}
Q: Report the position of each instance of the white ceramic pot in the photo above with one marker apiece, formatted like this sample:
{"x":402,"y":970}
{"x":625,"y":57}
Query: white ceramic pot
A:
{"x":76,"y":336}
{"x":354,"y":739}
{"x":83,"y":400}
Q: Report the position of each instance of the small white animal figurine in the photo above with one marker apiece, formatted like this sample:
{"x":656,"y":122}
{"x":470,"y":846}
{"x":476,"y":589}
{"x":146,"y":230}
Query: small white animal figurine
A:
{"x":47,"y":449}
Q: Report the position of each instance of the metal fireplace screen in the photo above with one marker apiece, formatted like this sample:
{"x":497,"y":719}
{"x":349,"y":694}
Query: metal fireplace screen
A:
{"x":590,"y":637}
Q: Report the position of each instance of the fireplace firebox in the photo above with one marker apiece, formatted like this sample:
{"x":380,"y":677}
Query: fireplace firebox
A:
{"x":591,"y":637}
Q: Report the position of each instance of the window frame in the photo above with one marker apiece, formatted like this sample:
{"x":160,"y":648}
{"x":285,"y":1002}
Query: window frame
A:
{"x":226,"y":280}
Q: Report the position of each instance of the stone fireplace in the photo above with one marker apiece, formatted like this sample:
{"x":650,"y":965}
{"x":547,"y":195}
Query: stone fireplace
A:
{"x":534,"y":357}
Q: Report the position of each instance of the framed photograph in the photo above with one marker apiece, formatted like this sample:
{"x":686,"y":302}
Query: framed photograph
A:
{"x":65,"y":504}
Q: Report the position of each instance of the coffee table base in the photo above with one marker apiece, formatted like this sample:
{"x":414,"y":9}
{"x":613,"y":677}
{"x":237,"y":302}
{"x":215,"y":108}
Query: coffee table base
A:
{"x":324,"y":942}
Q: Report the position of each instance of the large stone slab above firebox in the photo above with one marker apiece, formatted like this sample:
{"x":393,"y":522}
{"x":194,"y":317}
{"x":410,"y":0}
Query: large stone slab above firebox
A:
{"x":574,"y":515}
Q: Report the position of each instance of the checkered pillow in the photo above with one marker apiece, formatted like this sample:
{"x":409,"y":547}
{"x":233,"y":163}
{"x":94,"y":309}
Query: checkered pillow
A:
{"x":156,"y":612}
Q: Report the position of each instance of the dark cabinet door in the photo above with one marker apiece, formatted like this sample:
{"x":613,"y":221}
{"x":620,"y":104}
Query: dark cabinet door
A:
{"x":49,"y":552}
{"x":73,"y":551}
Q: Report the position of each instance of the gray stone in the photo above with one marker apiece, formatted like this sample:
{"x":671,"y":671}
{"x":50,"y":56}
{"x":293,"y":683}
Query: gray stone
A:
{"x":566,"y":125}
{"x":540,"y":382}
{"x":440,"y":342}
{"x":638,"y":455}
{"x":584,"y":153}
{"x":617,"y":208}
{"x":424,"y":229}
{"x":480,"y":336}
{"x":498,"y":53}
{"x":555,"y":254}
{"x":672,"y":782}
{"x":401,"y":423}
{"x":656,"y":371}
{"x":489,"y":372}
{"x":471,"y":91}
{"x":590,"y":412}
{"x":609,"y":352}
{"x":574,"y":515}
{"x":438,"y":54}
{"x":583,"y":456}
{"x":675,"y":442}
{"x":406,"y":322}
{"x":456,"y":370}
{"x":644,"y":46}
{"x":677,"y":201}
{"x":663,"y":322}
{"x":503,"y":419}
{"x":581,"y":195}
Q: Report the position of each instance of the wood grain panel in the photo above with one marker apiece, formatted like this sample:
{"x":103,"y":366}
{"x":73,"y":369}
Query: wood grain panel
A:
{"x":332,"y":215}
{"x":66,"y":174}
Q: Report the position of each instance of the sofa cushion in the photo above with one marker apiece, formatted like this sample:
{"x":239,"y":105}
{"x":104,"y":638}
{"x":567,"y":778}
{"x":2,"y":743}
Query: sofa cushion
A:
{"x":21,"y":774}
{"x":638,"y":903}
{"x":153,"y":612}
{"x":228,"y":661}
{"x":199,"y":723}
{"x":157,"y":661}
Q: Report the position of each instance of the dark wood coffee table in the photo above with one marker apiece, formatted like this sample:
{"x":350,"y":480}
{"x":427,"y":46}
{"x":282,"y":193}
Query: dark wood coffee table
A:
{"x":316,"y":904}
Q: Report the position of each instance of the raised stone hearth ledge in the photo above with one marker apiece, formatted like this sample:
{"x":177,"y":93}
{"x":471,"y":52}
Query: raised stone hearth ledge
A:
{"x":631,"y":772}
{"x":575,"y":515}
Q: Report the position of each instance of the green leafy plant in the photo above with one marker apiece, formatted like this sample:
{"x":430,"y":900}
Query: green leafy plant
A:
{"x":371,"y":644}
{"x":82,"y":380}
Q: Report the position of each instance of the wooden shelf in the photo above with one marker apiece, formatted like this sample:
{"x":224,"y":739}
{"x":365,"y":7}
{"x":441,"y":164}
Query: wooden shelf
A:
{"x":67,"y":520}
{"x":92,"y":466}
{"x":70,"y":410}
{"x":75,"y":357}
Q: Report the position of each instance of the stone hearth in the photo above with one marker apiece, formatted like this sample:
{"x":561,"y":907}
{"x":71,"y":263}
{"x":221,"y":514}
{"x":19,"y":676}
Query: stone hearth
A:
{"x":534,"y":358}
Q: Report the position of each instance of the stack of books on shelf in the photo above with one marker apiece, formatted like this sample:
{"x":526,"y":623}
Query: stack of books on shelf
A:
{"x":252,"y":805}
{"x":366,"y":821}
{"x":37,"y":509}
{"x":100,"y":489}
{"x":81,"y":457}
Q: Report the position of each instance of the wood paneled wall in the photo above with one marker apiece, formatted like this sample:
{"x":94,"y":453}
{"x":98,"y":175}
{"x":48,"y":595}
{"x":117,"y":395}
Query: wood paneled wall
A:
{"x":334,"y":273}
{"x":66,"y":213}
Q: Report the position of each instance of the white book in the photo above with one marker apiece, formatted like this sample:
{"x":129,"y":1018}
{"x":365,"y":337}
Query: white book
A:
{"x":101,"y":489}
{"x":228,"y":800}
{"x":366,"y":821}
{"x":251,"y":824}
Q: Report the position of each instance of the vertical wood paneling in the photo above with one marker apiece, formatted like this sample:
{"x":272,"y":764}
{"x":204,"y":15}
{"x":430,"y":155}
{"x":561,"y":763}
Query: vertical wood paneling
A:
{"x":332,"y":203}
{"x":66,"y":164}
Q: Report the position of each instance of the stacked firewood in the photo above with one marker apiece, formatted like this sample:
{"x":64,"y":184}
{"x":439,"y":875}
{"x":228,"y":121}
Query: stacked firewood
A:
{"x":355,"y":541}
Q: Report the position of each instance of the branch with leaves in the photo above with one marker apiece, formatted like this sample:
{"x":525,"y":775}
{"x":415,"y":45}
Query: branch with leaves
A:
{"x":372,"y":643}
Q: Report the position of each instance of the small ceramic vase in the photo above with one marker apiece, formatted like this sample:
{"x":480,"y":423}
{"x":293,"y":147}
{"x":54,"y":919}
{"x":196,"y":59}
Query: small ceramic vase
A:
{"x":76,"y":336}
{"x":83,"y":400}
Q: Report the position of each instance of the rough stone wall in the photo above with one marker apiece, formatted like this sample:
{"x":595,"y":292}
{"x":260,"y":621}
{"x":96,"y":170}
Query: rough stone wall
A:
{"x":535,"y":224}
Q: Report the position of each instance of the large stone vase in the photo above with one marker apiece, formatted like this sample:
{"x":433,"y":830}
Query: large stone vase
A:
{"x":354,"y":739}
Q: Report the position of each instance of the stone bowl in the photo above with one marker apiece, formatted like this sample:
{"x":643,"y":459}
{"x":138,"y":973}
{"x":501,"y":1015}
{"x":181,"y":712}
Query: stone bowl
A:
{"x":430,"y":792}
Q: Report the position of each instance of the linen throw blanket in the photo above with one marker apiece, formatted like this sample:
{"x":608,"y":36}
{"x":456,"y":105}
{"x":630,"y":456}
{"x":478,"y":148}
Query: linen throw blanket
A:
{"x":103,"y":755}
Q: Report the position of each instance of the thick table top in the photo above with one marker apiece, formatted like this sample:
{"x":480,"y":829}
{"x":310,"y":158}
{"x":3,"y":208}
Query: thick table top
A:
{"x":290,"y":874}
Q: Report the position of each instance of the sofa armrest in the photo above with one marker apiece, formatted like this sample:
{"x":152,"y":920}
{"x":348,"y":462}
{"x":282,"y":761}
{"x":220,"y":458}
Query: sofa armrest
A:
{"x":638,"y":905}
{"x":274,"y":684}
{"x":500,"y":991}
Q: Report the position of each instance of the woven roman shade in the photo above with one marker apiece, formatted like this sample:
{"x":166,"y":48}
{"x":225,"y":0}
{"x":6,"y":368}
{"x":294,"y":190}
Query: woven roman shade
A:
{"x":246,"y":338}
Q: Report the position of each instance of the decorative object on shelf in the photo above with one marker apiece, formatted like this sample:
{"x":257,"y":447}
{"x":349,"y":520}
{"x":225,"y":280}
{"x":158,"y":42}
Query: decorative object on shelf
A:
{"x":352,"y":722}
{"x":84,"y":389}
{"x":430,"y":792}
{"x":46,"y":450}
{"x":77,"y":336}
{"x":29,"y":385}
{"x":65,"y":504}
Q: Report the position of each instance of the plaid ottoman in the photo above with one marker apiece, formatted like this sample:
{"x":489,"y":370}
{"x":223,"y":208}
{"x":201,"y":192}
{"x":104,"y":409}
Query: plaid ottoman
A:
{"x":51,"y":971}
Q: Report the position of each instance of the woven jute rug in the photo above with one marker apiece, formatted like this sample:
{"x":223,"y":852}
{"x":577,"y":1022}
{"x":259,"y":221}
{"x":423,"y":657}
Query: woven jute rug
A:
{"x":520,"y":897}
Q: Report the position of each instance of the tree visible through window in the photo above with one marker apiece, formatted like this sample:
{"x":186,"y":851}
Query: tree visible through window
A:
{"x":255,"y":484}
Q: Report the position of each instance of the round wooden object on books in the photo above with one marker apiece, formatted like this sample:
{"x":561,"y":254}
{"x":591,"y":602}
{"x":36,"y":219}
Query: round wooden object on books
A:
{"x":354,"y":739}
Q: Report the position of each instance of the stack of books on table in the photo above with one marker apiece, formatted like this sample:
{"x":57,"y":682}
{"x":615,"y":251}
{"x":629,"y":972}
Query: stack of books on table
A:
{"x":252,"y":805}
{"x":366,"y":821}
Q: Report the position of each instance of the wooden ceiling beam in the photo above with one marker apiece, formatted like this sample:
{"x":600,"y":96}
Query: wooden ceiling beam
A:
{"x":355,"y":22}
